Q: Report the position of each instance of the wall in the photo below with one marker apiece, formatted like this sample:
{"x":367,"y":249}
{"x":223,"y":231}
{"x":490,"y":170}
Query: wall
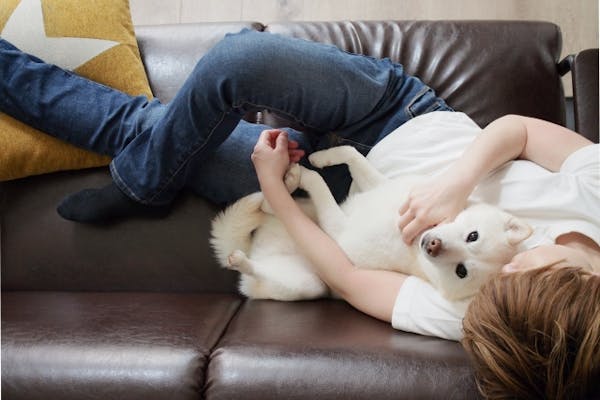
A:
{"x":578,"y":19}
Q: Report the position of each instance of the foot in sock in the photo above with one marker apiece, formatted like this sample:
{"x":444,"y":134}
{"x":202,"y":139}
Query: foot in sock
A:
{"x":105,"y":205}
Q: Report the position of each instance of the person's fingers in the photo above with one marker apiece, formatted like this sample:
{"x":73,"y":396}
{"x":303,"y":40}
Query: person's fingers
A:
{"x":265,"y":137}
{"x":281,"y":141}
{"x":295,"y":155}
{"x":261,"y":144}
{"x":410,"y":231}
{"x":404,"y":207}
{"x":269,"y":137}
{"x":406,"y":216}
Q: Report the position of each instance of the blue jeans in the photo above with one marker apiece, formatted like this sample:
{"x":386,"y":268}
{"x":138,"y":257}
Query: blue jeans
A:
{"x":198,"y":140}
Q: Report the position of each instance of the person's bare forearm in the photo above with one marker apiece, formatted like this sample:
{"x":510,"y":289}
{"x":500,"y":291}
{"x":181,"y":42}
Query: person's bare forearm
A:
{"x":507,"y":138}
{"x":501,"y":141}
{"x":370,"y":291}
{"x":441,"y":199}
{"x":516,"y":137}
{"x":315,"y":244}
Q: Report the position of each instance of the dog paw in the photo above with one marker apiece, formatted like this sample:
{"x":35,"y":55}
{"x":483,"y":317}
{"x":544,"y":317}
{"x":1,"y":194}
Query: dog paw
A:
{"x":292,"y":177}
{"x":320,"y":159}
{"x":309,"y":179}
{"x":236,"y":259}
{"x":266,"y":208}
{"x":329,"y":157}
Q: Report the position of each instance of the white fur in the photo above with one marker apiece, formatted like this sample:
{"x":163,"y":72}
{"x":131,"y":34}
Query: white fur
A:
{"x":248,"y":238}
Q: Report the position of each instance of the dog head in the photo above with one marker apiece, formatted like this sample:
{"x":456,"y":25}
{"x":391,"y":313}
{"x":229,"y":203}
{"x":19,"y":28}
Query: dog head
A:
{"x":462,"y":255}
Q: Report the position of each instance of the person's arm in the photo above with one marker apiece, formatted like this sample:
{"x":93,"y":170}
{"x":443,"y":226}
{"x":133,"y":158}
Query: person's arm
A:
{"x":371,"y":291}
{"x":505,"y":139}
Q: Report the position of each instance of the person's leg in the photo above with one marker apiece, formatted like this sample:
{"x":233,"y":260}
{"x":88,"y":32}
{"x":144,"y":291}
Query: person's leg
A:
{"x":67,"y":106}
{"x":318,"y":86}
{"x":80,"y":111}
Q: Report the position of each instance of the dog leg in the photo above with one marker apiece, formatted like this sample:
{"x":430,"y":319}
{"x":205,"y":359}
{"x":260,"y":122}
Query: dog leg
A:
{"x":363,"y":173}
{"x":238,"y":261}
{"x":331,"y":217}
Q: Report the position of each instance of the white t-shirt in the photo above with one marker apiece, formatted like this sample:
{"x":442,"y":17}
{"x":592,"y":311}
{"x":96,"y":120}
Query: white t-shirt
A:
{"x":553,"y":203}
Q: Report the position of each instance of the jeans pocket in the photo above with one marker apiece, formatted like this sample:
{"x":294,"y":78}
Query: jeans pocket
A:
{"x":425,"y":101}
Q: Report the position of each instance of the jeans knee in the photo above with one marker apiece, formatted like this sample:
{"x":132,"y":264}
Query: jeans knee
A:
{"x":238,"y":50}
{"x":240,"y":63}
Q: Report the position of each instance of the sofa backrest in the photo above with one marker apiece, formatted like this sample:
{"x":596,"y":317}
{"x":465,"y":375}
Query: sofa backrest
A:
{"x":483,"y":68}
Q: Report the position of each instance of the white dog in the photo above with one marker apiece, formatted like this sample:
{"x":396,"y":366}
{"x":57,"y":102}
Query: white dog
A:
{"x":456,"y":258}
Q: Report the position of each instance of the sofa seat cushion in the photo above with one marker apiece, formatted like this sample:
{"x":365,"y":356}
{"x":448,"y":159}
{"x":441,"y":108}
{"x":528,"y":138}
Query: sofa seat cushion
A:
{"x":327,"y":350}
{"x":42,"y":251}
{"x":60,"y":345}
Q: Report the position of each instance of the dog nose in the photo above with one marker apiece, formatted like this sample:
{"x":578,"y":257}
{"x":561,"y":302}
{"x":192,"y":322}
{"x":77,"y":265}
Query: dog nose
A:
{"x":433,"y":246}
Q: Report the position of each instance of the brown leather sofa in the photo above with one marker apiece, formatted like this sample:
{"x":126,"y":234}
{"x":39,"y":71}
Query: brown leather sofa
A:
{"x":140,"y":310}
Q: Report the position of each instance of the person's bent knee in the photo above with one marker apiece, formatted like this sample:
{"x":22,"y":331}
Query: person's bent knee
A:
{"x":239,"y":64}
{"x":237,"y":50}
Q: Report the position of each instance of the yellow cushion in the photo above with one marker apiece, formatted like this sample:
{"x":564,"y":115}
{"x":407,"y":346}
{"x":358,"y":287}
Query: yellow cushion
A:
{"x":25,"y":151}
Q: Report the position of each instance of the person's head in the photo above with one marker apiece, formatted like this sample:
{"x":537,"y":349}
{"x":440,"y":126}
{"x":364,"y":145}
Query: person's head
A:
{"x":536,"y":335}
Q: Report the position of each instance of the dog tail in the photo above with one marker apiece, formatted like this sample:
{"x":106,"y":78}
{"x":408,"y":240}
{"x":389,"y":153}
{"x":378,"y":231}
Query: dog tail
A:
{"x":232,"y":228}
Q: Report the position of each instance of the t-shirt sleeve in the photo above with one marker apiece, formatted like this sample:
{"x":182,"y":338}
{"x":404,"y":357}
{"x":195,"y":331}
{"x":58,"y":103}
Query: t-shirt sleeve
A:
{"x":582,"y":170}
{"x":419,"y":308}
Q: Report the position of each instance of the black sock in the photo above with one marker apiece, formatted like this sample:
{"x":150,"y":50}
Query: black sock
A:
{"x":104,"y":205}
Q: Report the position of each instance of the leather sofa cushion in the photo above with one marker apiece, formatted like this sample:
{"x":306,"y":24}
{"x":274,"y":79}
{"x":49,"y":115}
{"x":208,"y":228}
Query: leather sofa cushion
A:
{"x":327,"y":350}
{"x":42,"y":251}
{"x":109,"y":345}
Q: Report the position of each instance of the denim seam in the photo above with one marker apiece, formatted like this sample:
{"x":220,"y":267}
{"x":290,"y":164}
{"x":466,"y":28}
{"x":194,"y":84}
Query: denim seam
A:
{"x":122,"y":185}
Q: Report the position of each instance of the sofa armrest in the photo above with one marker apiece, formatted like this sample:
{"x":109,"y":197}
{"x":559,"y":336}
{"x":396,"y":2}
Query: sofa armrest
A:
{"x":584,"y":69}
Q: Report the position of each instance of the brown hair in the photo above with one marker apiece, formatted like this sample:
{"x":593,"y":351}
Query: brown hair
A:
{"x":536,"y":335}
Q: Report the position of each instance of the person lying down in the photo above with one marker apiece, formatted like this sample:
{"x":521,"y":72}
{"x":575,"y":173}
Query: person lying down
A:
{"x":535,"y":326}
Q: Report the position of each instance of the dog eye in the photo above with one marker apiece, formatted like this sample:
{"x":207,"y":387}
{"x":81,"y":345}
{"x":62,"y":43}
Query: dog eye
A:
{"x":473,"y":236}
{"x":461,"y":270}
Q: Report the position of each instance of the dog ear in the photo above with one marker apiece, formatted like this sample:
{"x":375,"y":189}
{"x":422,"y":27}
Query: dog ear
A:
{"x":516,"y":230}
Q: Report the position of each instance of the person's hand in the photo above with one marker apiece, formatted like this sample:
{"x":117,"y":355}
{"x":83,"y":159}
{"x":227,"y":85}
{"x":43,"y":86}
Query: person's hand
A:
{"x":431,"y":203}
{"x":548,"y":255}
{"x":273,"y":153}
